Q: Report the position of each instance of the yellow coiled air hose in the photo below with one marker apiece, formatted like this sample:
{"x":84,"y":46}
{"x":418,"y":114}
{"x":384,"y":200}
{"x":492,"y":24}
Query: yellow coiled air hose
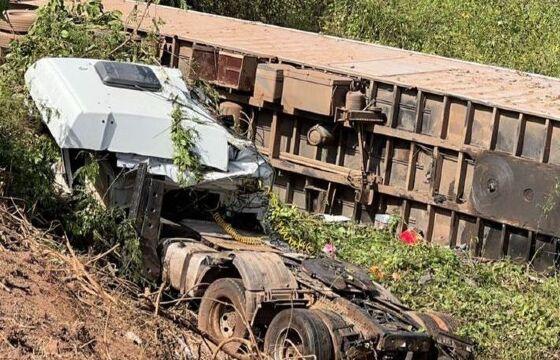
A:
{"x":249,"y":240}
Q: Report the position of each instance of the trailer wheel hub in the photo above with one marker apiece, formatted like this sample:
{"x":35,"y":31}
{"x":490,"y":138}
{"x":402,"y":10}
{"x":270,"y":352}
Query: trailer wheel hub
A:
{"x":227,"y":323}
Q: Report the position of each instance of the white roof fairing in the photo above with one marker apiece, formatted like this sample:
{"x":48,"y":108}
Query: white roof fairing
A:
{"x":82,"y":112}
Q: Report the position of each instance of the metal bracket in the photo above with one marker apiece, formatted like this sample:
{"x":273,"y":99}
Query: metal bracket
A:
{"x":67,"y":167}
{"x":366,"y":117}
{"x":136,"y":200}
{"x":145,"y":211}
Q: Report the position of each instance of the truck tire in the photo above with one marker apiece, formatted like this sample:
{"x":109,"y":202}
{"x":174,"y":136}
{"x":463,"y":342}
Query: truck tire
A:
{"x":296,"y":333}
{"x":222,"y":312}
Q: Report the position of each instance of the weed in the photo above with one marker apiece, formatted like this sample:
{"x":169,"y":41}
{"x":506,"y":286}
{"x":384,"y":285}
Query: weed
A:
{"x":508,"y":310}
{"x":185,"y":157}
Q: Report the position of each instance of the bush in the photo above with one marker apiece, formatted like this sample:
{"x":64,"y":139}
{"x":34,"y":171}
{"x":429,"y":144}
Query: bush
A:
{"x":509,"y":311}
{"x":520,"y":34}
{"x":302,"y":14}
{"x":27,"y":153}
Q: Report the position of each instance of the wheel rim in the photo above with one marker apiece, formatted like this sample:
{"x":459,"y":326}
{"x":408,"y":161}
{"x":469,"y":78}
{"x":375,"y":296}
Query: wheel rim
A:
{"x":289,"y":345}
{"x":224,"y":318}
{"x":227,"y":323}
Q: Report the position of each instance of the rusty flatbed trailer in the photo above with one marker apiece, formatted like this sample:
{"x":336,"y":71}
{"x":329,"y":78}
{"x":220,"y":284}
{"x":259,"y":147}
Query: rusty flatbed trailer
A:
{"x":467,"y":154}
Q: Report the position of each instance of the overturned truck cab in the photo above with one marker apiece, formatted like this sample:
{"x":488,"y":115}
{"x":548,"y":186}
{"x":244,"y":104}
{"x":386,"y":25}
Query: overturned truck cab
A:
{"x":200,"y":234}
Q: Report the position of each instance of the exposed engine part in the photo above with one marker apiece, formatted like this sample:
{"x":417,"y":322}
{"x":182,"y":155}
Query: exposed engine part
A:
{"x":232,"y":109}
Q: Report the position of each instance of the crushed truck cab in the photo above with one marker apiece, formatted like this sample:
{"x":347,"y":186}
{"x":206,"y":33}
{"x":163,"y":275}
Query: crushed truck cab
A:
{"x":202,"y":237}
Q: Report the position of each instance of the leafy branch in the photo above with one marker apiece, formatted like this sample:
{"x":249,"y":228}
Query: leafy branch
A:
{"x":185,"y":156}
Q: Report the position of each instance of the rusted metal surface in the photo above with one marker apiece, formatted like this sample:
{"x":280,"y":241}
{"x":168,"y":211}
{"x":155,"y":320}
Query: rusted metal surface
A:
{"x":236,"y":71}
{"x":412,"y":151}
{"x":269,"y":82}
{"x":213,"y":234}
{"x":491,"y":85}
{"x":503,"y":188}
{"x":145,"y":213}
{"x":313,"y":91}
{"x":177,"y":255}
{"x":264,"y":271}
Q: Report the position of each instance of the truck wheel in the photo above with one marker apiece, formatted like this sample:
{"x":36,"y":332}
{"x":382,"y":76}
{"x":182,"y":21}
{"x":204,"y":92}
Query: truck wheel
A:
{"x":297,"y":333}
{"x":222,"y":312}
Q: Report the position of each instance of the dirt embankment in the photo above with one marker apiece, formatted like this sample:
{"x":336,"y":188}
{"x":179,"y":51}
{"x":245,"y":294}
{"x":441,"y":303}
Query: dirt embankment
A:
{"x":54,"y":305}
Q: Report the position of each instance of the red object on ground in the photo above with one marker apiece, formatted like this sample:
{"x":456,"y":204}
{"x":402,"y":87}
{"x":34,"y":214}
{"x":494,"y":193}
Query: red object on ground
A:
{"x":410,"y":237}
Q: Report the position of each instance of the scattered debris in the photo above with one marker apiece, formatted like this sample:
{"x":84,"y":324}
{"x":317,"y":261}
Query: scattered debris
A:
{"x":54,"y":305}
{"x":509,"y":310}
{"x":410,"y":237}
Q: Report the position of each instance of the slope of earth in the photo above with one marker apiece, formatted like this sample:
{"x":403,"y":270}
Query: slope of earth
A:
{"x":54,"y":305}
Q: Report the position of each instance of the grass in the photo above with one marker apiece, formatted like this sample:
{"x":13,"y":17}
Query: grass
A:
{"x":509,"y":311}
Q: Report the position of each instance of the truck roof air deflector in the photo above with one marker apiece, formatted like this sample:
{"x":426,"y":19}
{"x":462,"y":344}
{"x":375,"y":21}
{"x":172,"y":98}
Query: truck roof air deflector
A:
{"x":124,"y":75}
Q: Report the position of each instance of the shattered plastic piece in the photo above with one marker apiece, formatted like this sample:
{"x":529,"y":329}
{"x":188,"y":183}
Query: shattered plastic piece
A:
{"x":382,"y":221}
{"x":329,"y":249}
{"x":335,"y":218}
{"x":410,"y":237}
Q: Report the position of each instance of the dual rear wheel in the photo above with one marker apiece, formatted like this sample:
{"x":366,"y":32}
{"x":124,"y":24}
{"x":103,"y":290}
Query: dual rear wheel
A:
{"x":298,"y":334}
{"x":292,"y":334}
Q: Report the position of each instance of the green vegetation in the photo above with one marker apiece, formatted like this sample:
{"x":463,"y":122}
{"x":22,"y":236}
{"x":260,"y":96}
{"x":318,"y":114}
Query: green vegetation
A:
{"x":79,"y":30}
{"x":520,"y":34}
{"x":511,"y":312}
{"x":508,"y":310}
{"x":184,"y":156}
{"x":300,"y":14}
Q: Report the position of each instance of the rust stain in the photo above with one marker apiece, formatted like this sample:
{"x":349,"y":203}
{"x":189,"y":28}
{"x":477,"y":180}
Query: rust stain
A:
{"x":429,"y":72}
